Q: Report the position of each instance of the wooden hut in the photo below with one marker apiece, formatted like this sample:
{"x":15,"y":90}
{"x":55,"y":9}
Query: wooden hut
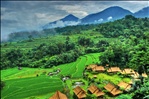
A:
{"x":113,"y":70}
{"x":58,"y":95}
{"x":79,"y":92}
{"x":95,"y":90}
{"x":124,"y":85}
{"x":128,"y":71}
{"x":98,"y":69}
{"x":112,"y":89}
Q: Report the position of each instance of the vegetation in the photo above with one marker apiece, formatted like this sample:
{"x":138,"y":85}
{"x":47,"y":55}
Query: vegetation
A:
{"x":26,"y":64}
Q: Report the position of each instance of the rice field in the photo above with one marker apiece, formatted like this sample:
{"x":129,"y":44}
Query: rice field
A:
{"x":34,"y":83}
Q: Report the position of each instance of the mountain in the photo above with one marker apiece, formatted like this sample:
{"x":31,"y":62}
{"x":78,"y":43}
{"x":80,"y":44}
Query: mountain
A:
{"x":69,"y":20}
{"x":109,"y":14}
{"x":142,"y":13}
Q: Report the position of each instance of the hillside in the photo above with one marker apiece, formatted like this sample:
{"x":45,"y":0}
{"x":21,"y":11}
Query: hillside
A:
{"x":60,"y":61}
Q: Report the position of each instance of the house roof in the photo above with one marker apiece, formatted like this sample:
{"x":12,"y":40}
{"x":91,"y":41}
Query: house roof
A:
{"x":95,"y":90}
{"x":135,"y":75}
{"x":80,"y":93}
{"x":114,"y":69}
{"x":144,"y":75}
{"x":98,"y":68}
{"x":112,"y":89}
{"x":91,"y":66}
{"x":124,"y":85}
{"x":58,"y":95}
{"x":128,"y":71}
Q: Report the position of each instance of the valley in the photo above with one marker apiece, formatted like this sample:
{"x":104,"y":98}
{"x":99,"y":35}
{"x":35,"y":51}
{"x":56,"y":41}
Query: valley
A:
{"x":78,"y":62}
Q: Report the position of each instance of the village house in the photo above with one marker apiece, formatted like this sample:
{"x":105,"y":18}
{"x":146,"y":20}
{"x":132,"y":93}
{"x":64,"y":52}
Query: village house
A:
{"x":95,"y":90}
{"x":112,"y":89}
{"x":128,"y":71}
{"x":58,"y":95}
{"x":113,"y":70}
{"x":125,"y":86}
{"x":98,"y":69}
{"x":144,"y":75}
{"x":79,"y":92}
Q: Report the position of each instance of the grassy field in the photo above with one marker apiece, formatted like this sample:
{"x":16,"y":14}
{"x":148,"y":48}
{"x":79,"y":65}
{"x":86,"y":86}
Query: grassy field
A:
{"x":24,"y":83}
{"x":27,"y":87}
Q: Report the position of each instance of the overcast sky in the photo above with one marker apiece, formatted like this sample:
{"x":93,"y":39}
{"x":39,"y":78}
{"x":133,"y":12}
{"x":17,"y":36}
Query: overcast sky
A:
{"x":31,"y":15}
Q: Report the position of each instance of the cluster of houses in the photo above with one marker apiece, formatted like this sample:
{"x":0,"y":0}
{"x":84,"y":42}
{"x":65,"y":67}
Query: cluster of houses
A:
{"x":111,"y":88}
{"x":126,"y":71}
{"x":93,"y":89}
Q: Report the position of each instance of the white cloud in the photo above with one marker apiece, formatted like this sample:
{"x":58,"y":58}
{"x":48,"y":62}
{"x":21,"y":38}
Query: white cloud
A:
{"x":98,"y":21}
{"x":109,"y":18}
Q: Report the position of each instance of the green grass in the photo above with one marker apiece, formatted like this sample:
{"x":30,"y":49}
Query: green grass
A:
{"x":26,"y":87}
{"x":104,"y":78}
{"x":25,"y":83}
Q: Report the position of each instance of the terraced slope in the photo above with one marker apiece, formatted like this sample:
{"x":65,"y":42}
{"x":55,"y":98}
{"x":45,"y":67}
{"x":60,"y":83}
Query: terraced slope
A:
{"x":33,"y":86}
{"x":25,"y":83}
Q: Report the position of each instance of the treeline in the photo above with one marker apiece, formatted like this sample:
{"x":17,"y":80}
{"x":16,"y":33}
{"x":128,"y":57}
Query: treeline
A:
{"x":30,"y":35}
{"x":52,"y":54}
{"x":132,"y":52}
{"x":124,"y":27}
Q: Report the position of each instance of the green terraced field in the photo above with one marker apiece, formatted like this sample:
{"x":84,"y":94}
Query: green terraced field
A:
{"x":24,"y":83}
{"x":33,"y":86}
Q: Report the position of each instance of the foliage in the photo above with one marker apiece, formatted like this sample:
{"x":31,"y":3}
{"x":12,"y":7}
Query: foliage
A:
{"x":2,"y":84}
{"x":124,"y":96}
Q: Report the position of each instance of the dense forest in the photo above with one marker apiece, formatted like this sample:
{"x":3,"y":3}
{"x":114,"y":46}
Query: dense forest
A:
{"x":129,"y":50}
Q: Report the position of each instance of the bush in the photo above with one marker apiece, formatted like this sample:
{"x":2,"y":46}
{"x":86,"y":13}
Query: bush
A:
{"x":126,"y":96}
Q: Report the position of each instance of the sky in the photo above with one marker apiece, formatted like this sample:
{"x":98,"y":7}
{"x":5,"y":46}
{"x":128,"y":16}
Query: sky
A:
{"x":32,"y":15}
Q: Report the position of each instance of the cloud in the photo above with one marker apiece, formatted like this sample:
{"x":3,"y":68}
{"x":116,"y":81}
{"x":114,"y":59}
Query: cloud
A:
{"x":30,"y":15}
{"x":109,"y":18}
{"x":99,"y":21}
{"x":62,"y":24}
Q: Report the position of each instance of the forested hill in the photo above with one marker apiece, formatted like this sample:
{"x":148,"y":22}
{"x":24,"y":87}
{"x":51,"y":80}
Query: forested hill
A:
{"x":123,"y":42}
{"x":126,"y":26}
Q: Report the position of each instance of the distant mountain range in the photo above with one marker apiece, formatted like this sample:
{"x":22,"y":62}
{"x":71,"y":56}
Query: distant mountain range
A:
{"x":109,"y":14}
{"x":66,"y":21}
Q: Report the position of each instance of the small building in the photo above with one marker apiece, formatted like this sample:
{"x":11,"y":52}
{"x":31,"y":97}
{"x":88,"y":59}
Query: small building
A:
{"x":79,"y":92}
{"x":124,"y":85}
{"x":144,"y":75}
{"x":50,"y":74}
{"x":65,"y":78}
{"x":58,"y":95}
{"x":95,"y":90}
{"x":112,"y":89}
{"x":58,"y":70}
{"x":90,"y":67}
{"x":98,"y":69}
{"x":128,"y":71}
{"x":114,"y":70}
{"x":135,"y":75}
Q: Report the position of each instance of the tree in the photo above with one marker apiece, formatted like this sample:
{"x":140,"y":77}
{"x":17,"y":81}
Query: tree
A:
{"x":2,"y":84}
